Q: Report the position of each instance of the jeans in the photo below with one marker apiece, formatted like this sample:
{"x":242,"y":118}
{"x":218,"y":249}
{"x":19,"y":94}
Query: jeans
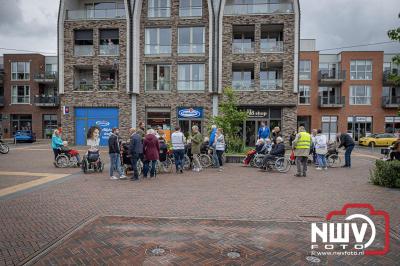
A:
{"x":215,"y":158}
{"x":115,"y":164}
{"x":301,"y":163}
{"x":347,"y":155}
{"x":219,"y":155}
{"x":56,"y":153}
{"x":146,"y":166}
{"x":321,"y":160}
{"x":179,"y":155}
{"x":134,"y":161}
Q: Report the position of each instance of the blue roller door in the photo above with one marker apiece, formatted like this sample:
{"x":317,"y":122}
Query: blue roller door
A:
{"x":104,"y":118}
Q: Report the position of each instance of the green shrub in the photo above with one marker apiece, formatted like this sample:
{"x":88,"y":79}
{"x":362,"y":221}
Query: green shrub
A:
{"x":235,"y":145}
{"x":386,"y":173}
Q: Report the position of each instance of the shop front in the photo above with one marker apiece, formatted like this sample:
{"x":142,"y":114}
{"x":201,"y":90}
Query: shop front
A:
{"x":392,"y":124}
{"x":329,"y":125}
{"x":189,"y":117}
{"x":159,"y":118}
{"x":359,"y":126}
{"x":271,"y":116}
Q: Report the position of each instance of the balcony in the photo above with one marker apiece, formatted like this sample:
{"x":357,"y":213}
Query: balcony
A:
{"x":2,"y":101}
{"x":388,"y":76}
{"x":107,"y":85}
{"x":242,"y":47}
{"x":271,"y":47}
{"x":331,"y":77}
{"x":271,"y":85}
{"x":83,"y":50}
{"x":47,"y":77}
{"x":95,"y":14}
{"x":47,"y":101}
{"x":253,"y":9}
{"x":331,"y":102}
{"x":391,"y":101}
{"x":243,"y":85}
{"x":109,"y":50}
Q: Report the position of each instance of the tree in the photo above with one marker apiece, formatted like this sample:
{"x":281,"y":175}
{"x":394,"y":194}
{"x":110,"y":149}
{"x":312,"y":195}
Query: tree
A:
{"x":394,"y":35}
{"x":230,"y":119}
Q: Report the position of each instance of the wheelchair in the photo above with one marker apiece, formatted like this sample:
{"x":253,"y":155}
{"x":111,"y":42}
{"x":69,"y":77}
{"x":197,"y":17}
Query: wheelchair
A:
{"x":280,"y":164}
{"x":92,"y":162}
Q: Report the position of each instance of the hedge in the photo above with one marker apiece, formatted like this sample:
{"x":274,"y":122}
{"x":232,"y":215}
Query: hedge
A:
{"x":386,"y":173}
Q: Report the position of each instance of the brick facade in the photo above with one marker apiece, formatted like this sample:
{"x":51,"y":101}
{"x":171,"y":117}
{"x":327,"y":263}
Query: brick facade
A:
{"x":375,"y":110}
{"x":37,"y":65}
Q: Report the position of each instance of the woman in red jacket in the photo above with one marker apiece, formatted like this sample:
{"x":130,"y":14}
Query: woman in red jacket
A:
{"x":151,"y":150}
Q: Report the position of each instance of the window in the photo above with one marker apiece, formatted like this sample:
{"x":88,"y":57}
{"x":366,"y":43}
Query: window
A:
{"x":330,"y":95}
{"x":271,"y":38}
{"x":49,"y":125}
{"x":305,"y":70}
{"x":191,"y":40}
{"x":20,"y":94}
{"x":109,"y":42}
{"x":304,"y":94}
{"x":243,"y":77}
{"x":20,"y":122}
{"x":361,"y":70}
{"x":271,"y":79}
{"x":360,"y":95}
{"x":20,"y":70}
{"x":329,"y":126}
{"x":108,"y":78}
{"x":83,"y":78}
{"x":159,"y":9}
{"x":83,"y":43}
{"x":243,"y":39}
{"x":191,"y":77}
{"x":158,"y":41}
{"x":157,"y":78}
{"x":190,"y":8}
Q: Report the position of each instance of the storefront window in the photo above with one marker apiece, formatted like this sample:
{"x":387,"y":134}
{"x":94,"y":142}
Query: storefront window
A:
{"x":189,"y":117}
{"x":392,"y":124}
{"x":49,"y":125}
{"x":329,"y":126}
{"x":359,"y":126}
{"x":21,"y":122}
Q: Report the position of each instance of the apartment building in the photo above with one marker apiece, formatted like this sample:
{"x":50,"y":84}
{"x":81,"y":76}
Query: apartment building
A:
{"x":347,"y":92}
{"x":174,"y":59}
{"x":28,"y":94}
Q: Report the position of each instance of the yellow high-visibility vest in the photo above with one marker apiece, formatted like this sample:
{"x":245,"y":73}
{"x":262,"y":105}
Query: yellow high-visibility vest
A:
{"x":304,"y":141}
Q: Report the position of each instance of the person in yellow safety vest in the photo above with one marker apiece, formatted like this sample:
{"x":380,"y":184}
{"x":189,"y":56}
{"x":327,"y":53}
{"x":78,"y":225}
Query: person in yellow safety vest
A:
{"x":301,"y":146}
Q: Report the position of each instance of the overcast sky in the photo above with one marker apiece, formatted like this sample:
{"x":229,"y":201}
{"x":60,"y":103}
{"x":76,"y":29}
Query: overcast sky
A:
{"x":32,"y":24}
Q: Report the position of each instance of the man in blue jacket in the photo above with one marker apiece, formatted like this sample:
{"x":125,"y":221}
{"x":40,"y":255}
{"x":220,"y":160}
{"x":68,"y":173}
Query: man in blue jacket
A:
{"x":263,"y":131}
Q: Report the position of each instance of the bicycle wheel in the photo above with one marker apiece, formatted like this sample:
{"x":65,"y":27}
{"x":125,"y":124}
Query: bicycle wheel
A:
{"x":258,"y":160}
{"x":186,"y":163}
{"x":4,"y":149}
{"x":282,"y":165}
{"x":333,"y":161}
{"x":205,"y":160}
{"x":62,"y":161}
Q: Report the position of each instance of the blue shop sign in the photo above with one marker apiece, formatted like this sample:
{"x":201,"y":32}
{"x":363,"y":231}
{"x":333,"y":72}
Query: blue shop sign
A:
{"x":196,"y":112}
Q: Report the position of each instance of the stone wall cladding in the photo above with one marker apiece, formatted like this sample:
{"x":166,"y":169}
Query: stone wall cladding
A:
{"x":120,"y":98}
{"x":173,"y":99}
{"x":285,"y":97}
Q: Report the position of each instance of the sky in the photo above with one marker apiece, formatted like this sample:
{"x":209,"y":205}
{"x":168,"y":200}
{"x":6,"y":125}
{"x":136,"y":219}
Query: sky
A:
{"x":31,"y":25}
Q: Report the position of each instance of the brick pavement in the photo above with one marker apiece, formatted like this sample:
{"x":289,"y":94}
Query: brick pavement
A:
{"x":8,"y":181}
{"x":31,"y":221}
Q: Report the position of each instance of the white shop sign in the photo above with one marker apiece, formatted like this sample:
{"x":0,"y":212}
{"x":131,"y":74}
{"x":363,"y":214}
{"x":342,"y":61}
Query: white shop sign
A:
{"x":392,"y":119}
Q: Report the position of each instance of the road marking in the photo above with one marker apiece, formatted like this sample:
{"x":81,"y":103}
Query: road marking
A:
{"x":46,"y":177}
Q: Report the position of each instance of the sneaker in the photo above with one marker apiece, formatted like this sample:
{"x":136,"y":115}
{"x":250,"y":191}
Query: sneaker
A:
{"x":220,"y":169}
{"x":325,"y":168}
{"x":318,"y":168}
{"x":297,"y":175}
{"x":181,"y":171}
{"x":123,"y":177}
{"x":114,"y":178}
{"x":344,"y":166}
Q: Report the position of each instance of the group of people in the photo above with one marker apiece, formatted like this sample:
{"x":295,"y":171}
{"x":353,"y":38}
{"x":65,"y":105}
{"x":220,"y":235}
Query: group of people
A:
{"x":150,"y":146}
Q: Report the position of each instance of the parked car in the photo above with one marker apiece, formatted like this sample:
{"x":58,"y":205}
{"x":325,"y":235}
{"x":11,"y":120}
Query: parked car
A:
{"x":384,"y":139}
{"x":25,"y":136}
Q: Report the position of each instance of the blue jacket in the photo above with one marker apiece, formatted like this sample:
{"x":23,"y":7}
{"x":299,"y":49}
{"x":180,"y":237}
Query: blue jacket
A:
{"x":263,"y":133}
{"x":56,"y":142}
{"x":212,"y":137}
{"x":136,"y":145}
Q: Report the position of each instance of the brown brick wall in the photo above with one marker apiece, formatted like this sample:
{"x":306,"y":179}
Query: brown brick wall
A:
{"x":37,"y":65}
{"x":375,"y":109}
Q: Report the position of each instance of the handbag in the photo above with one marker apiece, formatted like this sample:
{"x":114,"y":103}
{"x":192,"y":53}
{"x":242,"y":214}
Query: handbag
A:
{"x":292,"y":157}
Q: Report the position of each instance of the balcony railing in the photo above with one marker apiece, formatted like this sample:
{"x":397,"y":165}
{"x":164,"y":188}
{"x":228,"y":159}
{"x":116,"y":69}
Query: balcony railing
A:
{"x":271,"y":47}
{"x":331,"y":101}
{"x":83,"y":50}
{"x":242,"y":47}
{"x":272,"y":84}
{"x":329,"y":76}
{"x":156,"y":50}
{"x":47,"y":101}
{"x":243,"y":85}
{"x":159,"y":85}
{"x":107,"y":85}
{"x":2,"y":102}
{"x":191,"y":49}
{"x":84,"y":87}
{"x":48,"y":76}
{"x":243,"y":9}
{"x":107,"y":49}
{"x":391,"y":101}
{"x":194,"y":11}
{"x":96,"y":14}
{"x":159,"y":12}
